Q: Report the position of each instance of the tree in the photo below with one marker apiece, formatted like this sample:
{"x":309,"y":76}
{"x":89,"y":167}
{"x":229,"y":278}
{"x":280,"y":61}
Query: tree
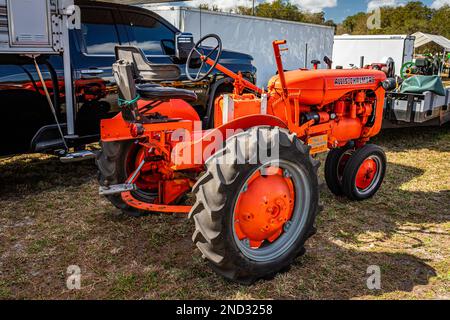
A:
{"x":205,"y":6}
{"x":283,"y":10}
{"x":407,"y":19}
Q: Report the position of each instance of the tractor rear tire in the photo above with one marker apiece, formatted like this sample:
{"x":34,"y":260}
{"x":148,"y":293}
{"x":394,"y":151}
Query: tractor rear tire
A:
{"x":224,"y":185}
{"x":334,"y":169}
{"x":364,"y":172}
{"x":111,"y":162}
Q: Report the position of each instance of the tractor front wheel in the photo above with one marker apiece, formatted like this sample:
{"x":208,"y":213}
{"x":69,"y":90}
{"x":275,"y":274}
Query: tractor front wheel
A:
{"x":334,"y":168}
{"x":364,"y":172}
{"x":252,"y":216}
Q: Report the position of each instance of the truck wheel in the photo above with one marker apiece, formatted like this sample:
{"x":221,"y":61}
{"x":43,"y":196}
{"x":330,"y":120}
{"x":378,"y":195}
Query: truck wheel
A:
{"x":364,"y":172}
{"x":334,"y":168}
{"x":116,"y":161}
{"x":252,"y":216}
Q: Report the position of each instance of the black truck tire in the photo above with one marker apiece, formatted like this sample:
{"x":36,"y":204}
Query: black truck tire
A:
{"x":217,"y":194}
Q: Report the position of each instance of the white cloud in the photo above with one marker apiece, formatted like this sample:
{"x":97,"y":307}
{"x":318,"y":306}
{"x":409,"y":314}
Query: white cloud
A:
{"x":315,"y":5}
{"x":226,"y":5}
{"x":372,"y":5}
{"x":440,"y":3}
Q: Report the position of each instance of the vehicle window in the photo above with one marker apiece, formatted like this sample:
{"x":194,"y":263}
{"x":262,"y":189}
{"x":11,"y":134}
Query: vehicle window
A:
{"x":99,"y":31}
{"x":148,"y":33}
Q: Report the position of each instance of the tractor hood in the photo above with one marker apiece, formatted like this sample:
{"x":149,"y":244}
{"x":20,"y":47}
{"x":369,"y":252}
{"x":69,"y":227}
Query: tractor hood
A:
{"x":321,"y":87}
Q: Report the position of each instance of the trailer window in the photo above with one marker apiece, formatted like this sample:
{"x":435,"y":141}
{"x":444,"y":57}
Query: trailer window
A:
{"x":99,"y":31}
{"x":147,"y":33}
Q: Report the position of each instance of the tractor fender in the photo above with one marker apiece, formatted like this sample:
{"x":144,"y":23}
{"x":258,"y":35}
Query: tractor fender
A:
{"x":203,"y":144}
{"x":117,"y":129}
{"x":174,"y":109}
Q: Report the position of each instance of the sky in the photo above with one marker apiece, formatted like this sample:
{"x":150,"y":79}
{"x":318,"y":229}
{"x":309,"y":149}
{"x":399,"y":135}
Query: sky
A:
{"x":337,"y":10}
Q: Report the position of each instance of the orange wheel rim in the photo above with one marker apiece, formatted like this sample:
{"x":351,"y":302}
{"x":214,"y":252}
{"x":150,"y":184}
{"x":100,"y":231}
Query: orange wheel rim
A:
{"x":366,"y":174}
{"x":264,"y":207}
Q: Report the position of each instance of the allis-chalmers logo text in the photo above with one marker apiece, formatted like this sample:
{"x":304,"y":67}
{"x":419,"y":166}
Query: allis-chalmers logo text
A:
{"x":353,"y":81}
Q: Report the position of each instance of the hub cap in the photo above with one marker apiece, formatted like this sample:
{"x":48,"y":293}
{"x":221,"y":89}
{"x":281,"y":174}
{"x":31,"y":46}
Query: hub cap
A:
{"x":271,"y":211}
{"x":261,"y":215}
{"x":366,"y":174}
{"x":369,"y":174}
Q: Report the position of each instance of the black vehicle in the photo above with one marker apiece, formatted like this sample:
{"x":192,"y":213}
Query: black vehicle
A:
{"x":27,"y":123}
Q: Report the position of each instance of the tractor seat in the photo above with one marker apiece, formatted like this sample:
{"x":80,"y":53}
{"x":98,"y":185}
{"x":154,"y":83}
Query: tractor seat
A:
{"x":157,"y":92}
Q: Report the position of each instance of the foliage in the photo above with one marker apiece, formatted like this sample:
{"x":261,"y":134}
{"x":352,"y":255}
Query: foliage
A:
{"x":280,"y":9}
{"x":407,"y":19}
{"x":410,"y":18}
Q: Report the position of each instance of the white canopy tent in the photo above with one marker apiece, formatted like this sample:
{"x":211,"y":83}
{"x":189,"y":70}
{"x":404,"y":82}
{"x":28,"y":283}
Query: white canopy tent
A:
{"x":425,"y":38}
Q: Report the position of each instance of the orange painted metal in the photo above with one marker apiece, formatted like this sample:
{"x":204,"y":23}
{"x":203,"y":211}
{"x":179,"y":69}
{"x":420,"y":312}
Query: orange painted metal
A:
{"x":171,"y":190}
{"x":264,"y":207}
{"x":325,"y":108}
{"x":279,"y":62}
{"x":117,"y":129}
{"x":129,"y":199}
{"x":239,"y":82}
{"x":366,"y":173}
{"x":194,"y":152}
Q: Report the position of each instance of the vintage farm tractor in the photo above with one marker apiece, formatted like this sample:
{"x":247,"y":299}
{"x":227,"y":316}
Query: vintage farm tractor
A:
{"x":254,"y":210}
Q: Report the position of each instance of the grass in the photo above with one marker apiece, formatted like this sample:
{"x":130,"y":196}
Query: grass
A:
{"x":51,"y":217}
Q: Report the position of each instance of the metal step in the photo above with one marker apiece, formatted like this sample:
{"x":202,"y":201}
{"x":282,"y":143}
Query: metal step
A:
{"x":77,"y":156}
{"x":116,"y":189}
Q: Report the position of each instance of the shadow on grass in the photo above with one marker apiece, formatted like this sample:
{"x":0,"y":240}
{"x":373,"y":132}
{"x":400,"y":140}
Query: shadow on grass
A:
{"x":329,"y":270}
{"x":24,"y":175}
{"x":394,"y":205}
{"x":406,"y":139}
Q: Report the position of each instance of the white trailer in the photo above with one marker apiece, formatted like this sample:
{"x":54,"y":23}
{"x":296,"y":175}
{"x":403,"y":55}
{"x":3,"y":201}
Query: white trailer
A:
{"x":254,"y":36}
{"x":348,"y":50}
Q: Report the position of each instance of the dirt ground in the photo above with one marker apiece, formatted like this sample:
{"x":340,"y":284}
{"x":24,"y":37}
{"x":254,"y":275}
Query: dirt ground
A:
{"x":51,"y":217}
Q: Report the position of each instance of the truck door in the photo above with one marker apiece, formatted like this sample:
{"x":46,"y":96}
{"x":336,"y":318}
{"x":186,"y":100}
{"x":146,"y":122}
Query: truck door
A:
{"x":95,"y":89}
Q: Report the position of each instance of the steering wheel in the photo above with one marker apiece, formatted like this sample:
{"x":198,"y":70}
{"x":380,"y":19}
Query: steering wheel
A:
{"x":203,"y":56}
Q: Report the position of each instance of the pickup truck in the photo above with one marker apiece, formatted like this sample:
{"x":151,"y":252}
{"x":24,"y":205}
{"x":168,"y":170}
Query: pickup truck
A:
{"x":27,"y":124}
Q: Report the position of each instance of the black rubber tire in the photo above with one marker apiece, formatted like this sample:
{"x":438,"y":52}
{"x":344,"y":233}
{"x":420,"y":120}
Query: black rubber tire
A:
{"x":111,"y":163}
{"x":332,"y":170}
{"x":216,"y":194}
{"x":352,"y":167}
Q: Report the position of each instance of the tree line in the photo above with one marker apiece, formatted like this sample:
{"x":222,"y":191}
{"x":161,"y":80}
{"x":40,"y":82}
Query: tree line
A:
{"x":279,"y":9}
{"x":407,"y":19}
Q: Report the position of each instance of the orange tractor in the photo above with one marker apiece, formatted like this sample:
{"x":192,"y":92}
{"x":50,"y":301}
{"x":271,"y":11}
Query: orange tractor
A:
{"x":254,"y":175}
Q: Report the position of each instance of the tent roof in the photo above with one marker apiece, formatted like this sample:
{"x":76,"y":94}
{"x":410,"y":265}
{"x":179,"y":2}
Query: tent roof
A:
{"x":424,"y":38}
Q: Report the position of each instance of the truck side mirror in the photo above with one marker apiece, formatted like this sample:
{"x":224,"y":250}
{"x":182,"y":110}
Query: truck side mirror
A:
{"x":184,"y":42}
